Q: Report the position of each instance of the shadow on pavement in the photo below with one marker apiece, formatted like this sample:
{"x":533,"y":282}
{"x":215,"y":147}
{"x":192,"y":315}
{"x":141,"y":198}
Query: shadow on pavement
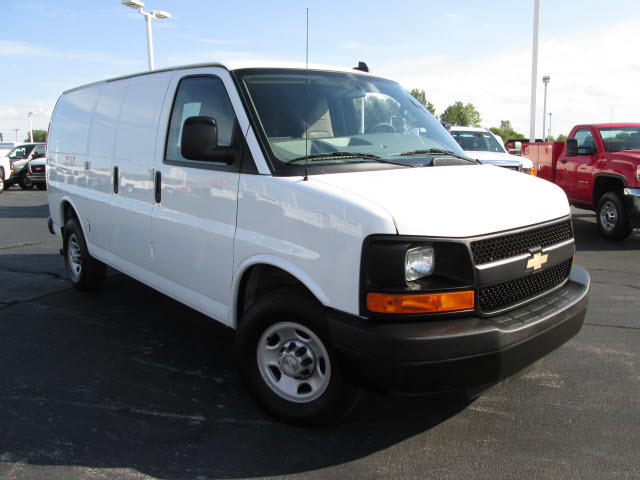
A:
{"x":15,"y":211}
{"x":588,"y":238}
{"x":128,"y":378}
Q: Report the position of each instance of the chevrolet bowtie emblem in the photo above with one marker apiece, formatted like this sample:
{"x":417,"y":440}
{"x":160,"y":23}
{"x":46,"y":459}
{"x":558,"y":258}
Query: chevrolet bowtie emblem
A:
{"x":537,"y":261}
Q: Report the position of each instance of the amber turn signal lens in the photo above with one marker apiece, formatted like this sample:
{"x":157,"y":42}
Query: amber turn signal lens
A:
{"x":425,"y":303}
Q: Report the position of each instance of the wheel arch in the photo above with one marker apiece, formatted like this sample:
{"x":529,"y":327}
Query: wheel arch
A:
{"x":606,"y":182}
{"x":261,"y":275}
{"x":68,"y":209}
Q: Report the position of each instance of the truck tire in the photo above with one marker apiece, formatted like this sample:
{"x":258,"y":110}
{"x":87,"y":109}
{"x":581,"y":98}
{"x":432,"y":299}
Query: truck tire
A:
{"x":287,"y":363}
{"x":86,"y":273}
{"x":2,"y":183}
{"x":41,"y":186}
{"x":24,"y":182}
{"x":611,"y":217}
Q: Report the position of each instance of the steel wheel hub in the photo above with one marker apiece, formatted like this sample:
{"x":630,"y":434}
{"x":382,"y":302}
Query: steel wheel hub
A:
{"x":74,"y":255}
{"x":293,"y":362}
{"x":608,"y":216}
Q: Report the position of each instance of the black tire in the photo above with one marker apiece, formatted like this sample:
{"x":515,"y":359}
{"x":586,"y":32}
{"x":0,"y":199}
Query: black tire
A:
{"x":41,"y":186}
{"x":86,"y":273}
{"x":611,"y":217}
{"x":284,"y":312}
{"x":24,"y":182}
{"x":3,"y":185}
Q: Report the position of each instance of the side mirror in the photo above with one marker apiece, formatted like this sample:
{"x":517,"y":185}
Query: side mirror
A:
{"x":200,"y":141}
{"x":571,"y":147}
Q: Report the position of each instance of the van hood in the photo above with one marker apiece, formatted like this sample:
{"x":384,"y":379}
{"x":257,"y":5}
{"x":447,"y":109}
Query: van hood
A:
{"x":456,"y":201}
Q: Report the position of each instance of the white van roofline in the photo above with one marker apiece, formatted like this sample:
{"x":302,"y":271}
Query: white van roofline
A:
{"x":230,"y":67}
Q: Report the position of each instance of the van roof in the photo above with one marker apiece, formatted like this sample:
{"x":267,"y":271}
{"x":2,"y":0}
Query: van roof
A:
{"x":231,"y":67}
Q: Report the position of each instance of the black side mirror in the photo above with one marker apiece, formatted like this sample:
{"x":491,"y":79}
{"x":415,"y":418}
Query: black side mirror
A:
{"x":571,"y":147}
{"x":200,"y":141}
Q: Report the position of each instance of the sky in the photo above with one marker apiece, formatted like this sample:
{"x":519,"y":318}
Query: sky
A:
{"x":463,"y":50}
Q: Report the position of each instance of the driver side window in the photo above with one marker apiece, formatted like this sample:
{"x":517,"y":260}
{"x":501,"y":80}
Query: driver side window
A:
{"x":585,"y":138}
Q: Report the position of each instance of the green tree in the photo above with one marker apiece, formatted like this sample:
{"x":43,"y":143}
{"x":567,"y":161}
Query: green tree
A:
{"x":461,"y":115}
{"x":506,"y":131}
{"x":38,"y":136}
{"x":561,"y":138}
{"x":421,"y":96}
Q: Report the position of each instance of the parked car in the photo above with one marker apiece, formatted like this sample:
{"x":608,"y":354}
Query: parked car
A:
{"x":37,"y":173}
{"x":484,"y":146}
{"x":324,"y":215}
{"x":19,"y":158}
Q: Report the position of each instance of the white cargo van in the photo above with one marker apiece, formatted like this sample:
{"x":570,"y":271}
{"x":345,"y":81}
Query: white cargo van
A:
{"x":325,"y":215}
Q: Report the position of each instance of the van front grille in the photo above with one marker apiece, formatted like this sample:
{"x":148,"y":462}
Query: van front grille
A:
{"x":504,"y":295}
{"x":511,"y":245}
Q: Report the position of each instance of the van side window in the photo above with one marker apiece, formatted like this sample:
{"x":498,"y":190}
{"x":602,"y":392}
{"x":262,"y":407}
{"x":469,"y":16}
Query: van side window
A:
{"x":40,"y":151}
{"x":200,"y":96}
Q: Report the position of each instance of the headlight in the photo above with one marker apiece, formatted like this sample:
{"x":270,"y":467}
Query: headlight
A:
{"x":638,"y":172}
{"x":418,"y":263}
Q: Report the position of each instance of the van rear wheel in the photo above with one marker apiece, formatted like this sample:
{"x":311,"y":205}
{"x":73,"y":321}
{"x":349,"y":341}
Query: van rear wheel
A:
{"x":86,"y":273}
{"x":287,"y":363}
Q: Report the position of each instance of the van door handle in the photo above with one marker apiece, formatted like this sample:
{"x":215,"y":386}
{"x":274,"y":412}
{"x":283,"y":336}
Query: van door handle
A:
{"x":158,"y":187}
{"x":564,"y":160}
{"x":115,"y":179}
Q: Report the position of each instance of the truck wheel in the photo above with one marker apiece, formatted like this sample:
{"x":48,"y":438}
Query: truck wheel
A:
{"x":41,"y":186}
{"x":287,"y":363}
{"x":25,"y":183}
{"x":612,"y":219}
{"x":86,"y":273}
{"x":2,"y":183}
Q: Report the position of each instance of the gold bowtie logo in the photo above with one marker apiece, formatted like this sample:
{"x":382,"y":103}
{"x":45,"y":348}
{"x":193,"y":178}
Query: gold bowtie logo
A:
{"x":537,"y":261}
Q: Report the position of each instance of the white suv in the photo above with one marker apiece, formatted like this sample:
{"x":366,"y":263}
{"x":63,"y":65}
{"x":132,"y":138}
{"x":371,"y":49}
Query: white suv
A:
{"x":482,"y":145}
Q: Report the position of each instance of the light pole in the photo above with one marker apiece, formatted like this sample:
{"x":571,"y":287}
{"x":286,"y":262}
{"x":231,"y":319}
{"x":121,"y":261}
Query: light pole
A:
{"x":30,"y":129}
{"x":138,"y":5}
{"x":534,"y":73}
{"x":545,"y":80}
{"x":16,"y":130}
{"x":549,"y":125}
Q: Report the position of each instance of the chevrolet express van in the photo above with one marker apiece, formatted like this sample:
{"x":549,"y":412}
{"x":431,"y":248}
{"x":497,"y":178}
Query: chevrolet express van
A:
{"x":327,"y":217}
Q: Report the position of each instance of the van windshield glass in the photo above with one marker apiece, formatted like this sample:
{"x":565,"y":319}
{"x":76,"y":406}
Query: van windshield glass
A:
{"x":346,"y":113}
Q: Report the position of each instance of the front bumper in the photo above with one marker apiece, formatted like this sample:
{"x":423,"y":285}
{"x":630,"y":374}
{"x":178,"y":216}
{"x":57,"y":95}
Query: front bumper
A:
{"x":37,"y":177}
{"x":632,"y":204}
{"x":458,"y":353}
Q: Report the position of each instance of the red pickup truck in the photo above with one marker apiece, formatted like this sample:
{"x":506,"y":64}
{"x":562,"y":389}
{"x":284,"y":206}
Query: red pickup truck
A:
{"x":599,"y":169}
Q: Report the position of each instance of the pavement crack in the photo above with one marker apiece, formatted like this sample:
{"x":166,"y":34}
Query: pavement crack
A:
{"x":19,"y":245}
{"x":611,"y":326}
{"x":618,"y":284}
{"x":54,"y":275}
{"x":612,"y":271}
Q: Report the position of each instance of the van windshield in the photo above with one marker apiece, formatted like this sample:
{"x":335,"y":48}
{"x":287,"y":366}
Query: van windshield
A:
{"x":357,"y":117}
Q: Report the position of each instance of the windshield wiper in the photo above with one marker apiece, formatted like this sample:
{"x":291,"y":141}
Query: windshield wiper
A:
{"x":366,"y":156}
{"x":436,"y":151}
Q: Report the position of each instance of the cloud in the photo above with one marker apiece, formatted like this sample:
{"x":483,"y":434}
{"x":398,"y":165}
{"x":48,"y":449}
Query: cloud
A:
{"x":591,"y":73}
{"x":451,"y":15}
{"x":350,"y":45}
{"x":10,"y":48}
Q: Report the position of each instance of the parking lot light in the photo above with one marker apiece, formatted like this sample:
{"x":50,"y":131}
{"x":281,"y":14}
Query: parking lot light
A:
{"x":30,"y":129}
{"x":160,"y":14}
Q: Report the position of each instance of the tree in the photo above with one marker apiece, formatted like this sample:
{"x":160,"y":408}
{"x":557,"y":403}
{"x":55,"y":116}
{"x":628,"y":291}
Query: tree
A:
{"x":506,"y":131}
{"x":421,"y":96}
{"x":38,"y":136}
{"x":561,"y":138}
{"x":461,"y":115}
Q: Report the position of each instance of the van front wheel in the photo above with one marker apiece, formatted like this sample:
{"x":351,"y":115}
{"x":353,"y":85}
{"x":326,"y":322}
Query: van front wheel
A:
{"x":86,"y":273}
{"x":286,"y":362}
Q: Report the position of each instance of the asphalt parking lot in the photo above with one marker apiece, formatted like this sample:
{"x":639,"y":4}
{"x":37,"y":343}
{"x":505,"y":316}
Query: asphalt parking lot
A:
{"x":128,"y":384}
